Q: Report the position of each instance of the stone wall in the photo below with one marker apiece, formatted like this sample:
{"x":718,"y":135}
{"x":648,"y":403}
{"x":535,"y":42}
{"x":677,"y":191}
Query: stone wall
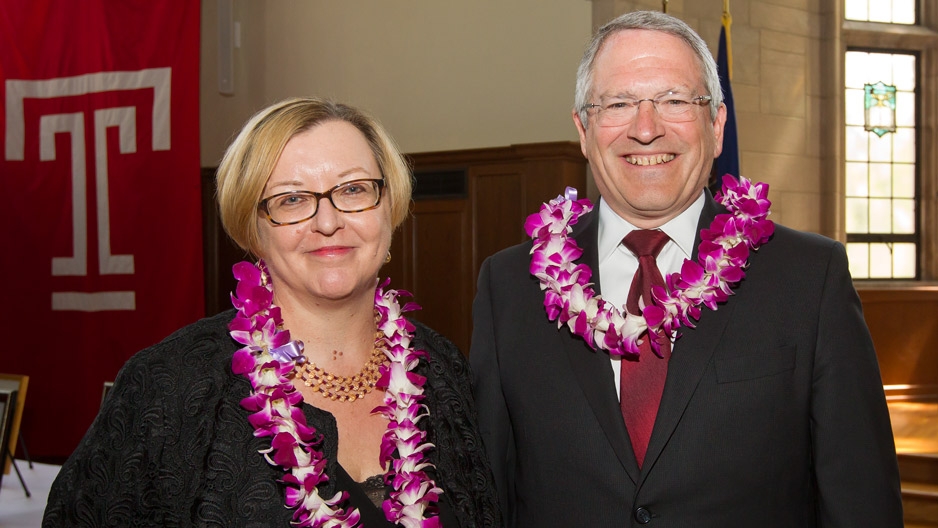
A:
{"x":780,"y":91}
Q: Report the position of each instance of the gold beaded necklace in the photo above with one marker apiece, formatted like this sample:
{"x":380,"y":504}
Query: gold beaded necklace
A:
{"x":345,"y":388}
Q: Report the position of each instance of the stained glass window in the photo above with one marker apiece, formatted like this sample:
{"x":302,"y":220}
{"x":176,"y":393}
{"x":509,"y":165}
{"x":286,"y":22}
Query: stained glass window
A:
{"x":882,"y":241}
{"x":880,"y":104}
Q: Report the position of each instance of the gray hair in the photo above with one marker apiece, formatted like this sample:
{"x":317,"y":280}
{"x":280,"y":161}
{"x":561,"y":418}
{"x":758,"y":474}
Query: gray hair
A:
{"x":652,"y":21}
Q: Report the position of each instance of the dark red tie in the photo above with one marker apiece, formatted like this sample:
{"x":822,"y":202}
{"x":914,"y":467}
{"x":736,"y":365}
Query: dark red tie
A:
{"x":642,"y":381}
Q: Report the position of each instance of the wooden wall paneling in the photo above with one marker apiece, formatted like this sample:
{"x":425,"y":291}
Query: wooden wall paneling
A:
{"x":497,"y":198}
{"x":505,"y":185}
{"x":904,"y":325}
{"x":211,"y":225}
{"x":548,"y":178}
{"x":219,"y":253}
{"x":401,"y":267}
{"x":440,"y":231}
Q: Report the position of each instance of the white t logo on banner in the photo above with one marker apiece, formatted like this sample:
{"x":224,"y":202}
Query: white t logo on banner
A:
{"x":74,"y":124}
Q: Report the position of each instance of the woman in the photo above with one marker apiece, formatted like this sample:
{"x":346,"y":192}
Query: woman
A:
{"x":315,"y":401}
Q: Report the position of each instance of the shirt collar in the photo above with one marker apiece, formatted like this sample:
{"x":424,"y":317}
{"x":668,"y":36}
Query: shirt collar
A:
{"x":682,"y":229}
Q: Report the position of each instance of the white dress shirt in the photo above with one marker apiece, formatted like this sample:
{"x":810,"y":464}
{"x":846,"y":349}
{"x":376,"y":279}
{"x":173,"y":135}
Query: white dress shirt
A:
{"x":617,"y":265}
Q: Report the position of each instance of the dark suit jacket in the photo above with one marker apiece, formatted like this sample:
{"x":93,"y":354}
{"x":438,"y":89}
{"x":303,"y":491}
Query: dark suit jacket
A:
{"x":773,"y":413}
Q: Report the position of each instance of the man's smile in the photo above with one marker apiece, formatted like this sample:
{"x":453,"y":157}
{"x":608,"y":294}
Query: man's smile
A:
{"x":649,"y":160}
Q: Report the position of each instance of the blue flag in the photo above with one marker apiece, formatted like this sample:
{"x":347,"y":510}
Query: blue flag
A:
{"x":728,"y":162}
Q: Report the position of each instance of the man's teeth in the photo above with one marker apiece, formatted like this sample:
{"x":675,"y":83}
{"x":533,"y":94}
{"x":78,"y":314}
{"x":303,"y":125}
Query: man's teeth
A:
{"x":649,"y":160}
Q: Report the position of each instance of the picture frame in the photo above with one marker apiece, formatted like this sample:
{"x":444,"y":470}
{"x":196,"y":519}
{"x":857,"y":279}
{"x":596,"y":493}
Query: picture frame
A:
{"x":7,"y":412}
{"x":19,"y":383}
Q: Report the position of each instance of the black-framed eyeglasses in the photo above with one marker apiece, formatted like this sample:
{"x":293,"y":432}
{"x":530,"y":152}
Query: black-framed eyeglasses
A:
{"x":671,"y":107}
{"x":293,"y":207}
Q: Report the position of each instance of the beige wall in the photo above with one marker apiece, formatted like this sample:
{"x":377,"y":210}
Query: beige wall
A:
{"x":456,"y":74}
{"x":440,"y":74}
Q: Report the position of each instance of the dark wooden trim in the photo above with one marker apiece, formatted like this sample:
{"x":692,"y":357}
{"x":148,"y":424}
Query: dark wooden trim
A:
{"x":896,"y":293}
{"x":911,"y":393}
{"x":219,"y":253}
{"x":210,"y":227}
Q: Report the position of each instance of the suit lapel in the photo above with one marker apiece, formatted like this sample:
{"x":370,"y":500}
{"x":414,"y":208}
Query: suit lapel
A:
{"x":692,"y":353}
{"x":592,"y":368}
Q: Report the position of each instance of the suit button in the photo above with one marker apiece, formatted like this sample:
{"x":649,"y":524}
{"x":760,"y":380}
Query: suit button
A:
{"x":642,"y":515}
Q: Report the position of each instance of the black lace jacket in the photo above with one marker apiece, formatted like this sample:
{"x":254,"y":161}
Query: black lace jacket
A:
{"x":171,"y":445}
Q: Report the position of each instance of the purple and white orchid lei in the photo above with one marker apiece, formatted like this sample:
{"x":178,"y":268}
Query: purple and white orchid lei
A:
{"x":722,"y":257}
{"x":268,"y":360}
{"x":415,"y":494}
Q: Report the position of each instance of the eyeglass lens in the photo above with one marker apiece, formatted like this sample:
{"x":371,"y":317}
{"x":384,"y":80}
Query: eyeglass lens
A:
{"x":671,"y":108}
{"x":349,"y":197}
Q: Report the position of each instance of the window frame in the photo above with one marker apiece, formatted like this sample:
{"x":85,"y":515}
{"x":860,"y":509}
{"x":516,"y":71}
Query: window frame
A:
{"x":887,"y":238}
{"x":922,"y":39}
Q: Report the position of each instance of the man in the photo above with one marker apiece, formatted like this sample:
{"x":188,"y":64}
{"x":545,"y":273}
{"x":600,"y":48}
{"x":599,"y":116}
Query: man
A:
{"x":771,"y":408}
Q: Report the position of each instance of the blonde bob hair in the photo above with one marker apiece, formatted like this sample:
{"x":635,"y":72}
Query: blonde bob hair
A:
{"x":251,"y":157}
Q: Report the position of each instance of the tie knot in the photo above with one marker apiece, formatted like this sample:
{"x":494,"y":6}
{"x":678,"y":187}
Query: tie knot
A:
{"x":646,"y":242}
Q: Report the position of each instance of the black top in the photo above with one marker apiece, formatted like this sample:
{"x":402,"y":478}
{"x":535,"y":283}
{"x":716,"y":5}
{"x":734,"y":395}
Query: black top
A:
{"x":172,"y":446}
{"x":372,"y":516}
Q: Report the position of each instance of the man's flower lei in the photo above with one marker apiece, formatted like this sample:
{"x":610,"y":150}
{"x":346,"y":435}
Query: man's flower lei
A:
{"x":268,"y":359}
{"x":722,"y":257}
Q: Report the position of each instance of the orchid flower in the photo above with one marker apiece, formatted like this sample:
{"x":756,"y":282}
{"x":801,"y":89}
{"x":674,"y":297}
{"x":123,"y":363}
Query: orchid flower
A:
{"x":274,"y":404}
{"x":722,"y":258}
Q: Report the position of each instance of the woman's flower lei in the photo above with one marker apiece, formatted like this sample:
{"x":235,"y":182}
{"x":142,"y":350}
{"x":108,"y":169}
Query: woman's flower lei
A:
{"x":722,"y":257}
{"x":268,"y":360}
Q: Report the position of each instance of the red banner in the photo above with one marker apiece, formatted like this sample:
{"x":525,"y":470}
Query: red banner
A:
{"x":100,"y":181}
